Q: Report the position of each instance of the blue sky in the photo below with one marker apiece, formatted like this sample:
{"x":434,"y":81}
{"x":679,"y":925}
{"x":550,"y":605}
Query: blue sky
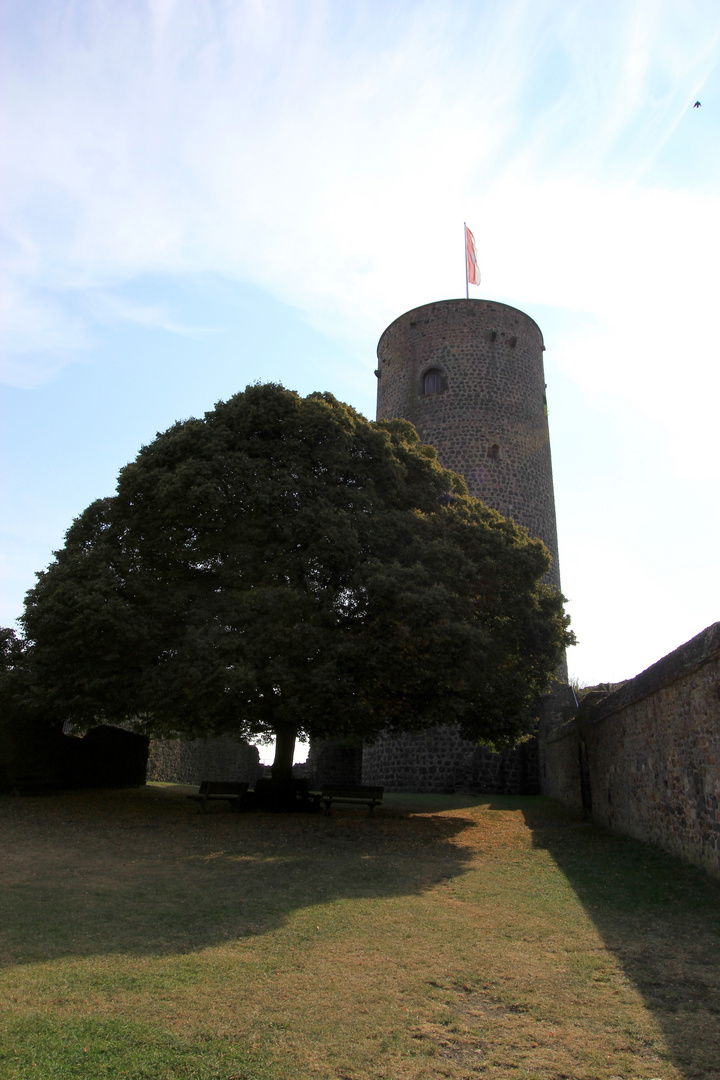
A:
{"x":203,"y":193}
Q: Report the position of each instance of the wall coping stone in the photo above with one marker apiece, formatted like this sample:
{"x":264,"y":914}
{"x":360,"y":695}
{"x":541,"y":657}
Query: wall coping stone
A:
{"x":691,"y":656}
{"x":585,"y":706}
{"x":694,"y":654}
{"x":473,"y":306}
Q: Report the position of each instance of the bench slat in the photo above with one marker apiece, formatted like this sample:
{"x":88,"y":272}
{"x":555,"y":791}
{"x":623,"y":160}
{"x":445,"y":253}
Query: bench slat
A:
{"x":224,"y":790}
{"x":357,"y":793}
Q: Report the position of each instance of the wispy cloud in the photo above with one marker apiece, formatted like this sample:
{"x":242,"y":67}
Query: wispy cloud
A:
{"x":40,"y":335}
{"x":109,"y":309}
{"x":328,"y":153}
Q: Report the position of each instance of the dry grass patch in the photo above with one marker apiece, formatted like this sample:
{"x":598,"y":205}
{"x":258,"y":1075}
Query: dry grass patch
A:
{"x":444,"y":937}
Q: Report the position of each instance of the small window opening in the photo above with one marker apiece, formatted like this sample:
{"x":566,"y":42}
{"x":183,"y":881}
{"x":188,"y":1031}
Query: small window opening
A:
{"x":494,"y":452}
{"x":433,"y":382}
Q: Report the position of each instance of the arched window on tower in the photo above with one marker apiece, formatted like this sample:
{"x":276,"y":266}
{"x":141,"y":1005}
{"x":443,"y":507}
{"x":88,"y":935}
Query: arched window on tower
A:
{"x":494,"y":452}
{"x":433,"y":382}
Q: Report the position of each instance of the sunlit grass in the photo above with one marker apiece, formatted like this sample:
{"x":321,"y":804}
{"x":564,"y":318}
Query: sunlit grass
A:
{"x":444,"y":937}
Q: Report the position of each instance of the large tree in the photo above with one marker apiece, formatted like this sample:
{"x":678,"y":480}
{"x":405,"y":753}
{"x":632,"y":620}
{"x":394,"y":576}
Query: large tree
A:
{"x":283,"y":568}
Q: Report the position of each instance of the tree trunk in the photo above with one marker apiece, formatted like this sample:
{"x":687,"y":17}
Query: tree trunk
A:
{"x":284,"y":754}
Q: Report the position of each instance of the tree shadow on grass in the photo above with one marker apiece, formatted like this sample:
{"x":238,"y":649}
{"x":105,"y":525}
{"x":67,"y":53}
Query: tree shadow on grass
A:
{"x":141,"y":872}
{"x":659,"y":916}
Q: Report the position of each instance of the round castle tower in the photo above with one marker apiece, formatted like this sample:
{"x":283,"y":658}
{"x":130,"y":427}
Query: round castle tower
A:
{"x":469,"y":375}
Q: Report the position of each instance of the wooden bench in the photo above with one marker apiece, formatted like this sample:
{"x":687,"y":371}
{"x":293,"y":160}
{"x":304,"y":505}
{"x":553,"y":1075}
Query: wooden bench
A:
{"x":341,"y":793}
{"x":284,"y":797}
{"x":221,"y":790}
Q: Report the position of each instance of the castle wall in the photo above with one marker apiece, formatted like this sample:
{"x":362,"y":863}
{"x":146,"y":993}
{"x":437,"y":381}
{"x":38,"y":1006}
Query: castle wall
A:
{"x":560,"y":772}
{"x":645,"y":760}
{"x":331,"y":762}
{"x":181,"y":761}
{"x":440,"y":760}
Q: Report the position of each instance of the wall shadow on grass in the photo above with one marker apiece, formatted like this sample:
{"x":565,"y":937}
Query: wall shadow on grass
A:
{"x":660,"y":918}
{"x":141,"y":872}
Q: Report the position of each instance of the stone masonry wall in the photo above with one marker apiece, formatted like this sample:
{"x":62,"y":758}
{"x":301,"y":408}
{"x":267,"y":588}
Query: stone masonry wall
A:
{"x":492,"y":402}
{"x":645,"y":760}
{"x":331,"y":762}
{"x":488,"y":422}
{"x":181,"y":761}
{"x":509,"y":772}
{"x":560,"y":772}
{"x":440,"y":760}
{"x":556,"y":708}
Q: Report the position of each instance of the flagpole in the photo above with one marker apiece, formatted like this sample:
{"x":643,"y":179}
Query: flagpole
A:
{"x":467,"y":284}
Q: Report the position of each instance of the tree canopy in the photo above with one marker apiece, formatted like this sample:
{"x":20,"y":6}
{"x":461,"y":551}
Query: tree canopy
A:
{"x":284,"y":567}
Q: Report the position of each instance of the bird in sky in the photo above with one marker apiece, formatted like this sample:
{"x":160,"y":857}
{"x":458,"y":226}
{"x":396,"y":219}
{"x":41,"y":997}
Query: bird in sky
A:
{"x":696,"y":105}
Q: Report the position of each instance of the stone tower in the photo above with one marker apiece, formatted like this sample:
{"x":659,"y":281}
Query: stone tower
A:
{"x":469,"y":375}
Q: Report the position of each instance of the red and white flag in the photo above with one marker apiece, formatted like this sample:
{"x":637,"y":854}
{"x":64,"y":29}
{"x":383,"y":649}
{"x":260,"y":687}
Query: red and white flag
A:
{"x":473,"y":270}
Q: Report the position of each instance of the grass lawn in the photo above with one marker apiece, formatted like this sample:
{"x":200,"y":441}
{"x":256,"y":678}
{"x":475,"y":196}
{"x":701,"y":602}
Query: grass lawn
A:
{"x":443,"y":937}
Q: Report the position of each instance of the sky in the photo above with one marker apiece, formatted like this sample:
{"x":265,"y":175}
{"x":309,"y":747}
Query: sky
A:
{"x":201,"y":194}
